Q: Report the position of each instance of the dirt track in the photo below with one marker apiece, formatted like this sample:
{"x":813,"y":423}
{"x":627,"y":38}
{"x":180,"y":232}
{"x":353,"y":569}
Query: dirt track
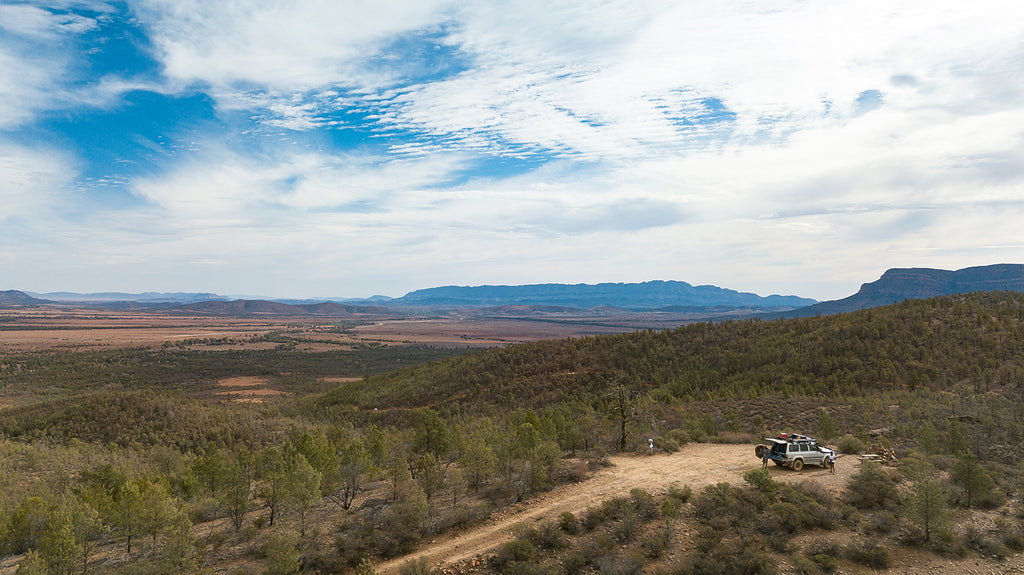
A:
{"x":695,"y":465}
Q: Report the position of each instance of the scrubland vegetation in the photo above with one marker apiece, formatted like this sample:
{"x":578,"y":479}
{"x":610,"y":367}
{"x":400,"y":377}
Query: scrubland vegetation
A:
{"x":126,"y":461}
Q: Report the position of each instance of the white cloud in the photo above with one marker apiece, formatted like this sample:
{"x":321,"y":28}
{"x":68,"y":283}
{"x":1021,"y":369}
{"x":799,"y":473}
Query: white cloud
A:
{"x":225,"y":184}
{"x":35,"y":62}
{"x":292,"y":46}
{"x":32,"y":183}
{"x":695,"y":140}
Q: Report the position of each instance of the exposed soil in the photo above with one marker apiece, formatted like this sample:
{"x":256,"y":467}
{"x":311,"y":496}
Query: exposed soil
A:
{"x":245,"y":389}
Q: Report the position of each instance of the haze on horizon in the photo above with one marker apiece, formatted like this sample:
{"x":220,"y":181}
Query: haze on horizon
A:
{"x":347,"y":149}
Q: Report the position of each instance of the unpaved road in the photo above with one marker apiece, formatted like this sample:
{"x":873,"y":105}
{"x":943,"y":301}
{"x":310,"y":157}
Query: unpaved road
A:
{"x":696,"y":465}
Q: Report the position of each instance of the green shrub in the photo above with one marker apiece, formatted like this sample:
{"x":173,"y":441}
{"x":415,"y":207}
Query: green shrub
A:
{"x":593,"y":517}
{"x":574,"y":563}
{"x":524,"y":568}
{"x":802,"y":565}
{"x":629,"y":565}
{"x":881,"y":522}
{"x":416,"y":567}
{"x":679,"y":436}
{"x":567,"y":522}
{"x":825,"y":555}
{"x":870,"y":554}
{"x":1010,"y":534}
{"x":761,"y":479}
{"x":617,"y":507}
{"x":871,"y":488}
{"x":728,"y":559}
{"x":548,"y":536}
{"x":644,"y":504}
{"x":604,"y":543}
{"x":627,"y":527}
{"x":984,"y":543}
{"x":365,"y":567}
{"x":667,"y":444}
{"x":825,"y":562}
{"x":669,"y":508}
{"x":656,"y":541}
{"x":282,"y":553}
{"x":783,"y":517}
{"x":515,"y":550}
{"x":679,"y":495}
{"x":850,"y":445}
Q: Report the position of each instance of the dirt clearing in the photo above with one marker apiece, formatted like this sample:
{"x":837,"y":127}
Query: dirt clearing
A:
{"x":696,"y":465}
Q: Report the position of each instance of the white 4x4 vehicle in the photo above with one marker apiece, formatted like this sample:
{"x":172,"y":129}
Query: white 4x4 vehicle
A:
{"x":794,"y":450}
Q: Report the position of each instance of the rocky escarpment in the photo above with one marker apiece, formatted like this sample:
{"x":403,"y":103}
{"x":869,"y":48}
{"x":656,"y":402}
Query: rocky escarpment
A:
{"x":900,"y":284}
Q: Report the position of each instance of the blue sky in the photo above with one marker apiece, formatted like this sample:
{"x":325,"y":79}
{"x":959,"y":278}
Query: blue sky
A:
{"x":322,"y":148}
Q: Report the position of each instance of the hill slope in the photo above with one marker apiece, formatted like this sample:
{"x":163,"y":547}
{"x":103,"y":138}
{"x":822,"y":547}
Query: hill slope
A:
{"x":243,"y":307}
{"x":973,"y":339}
{"x":901,"y":284}
{"x":18,"y":298}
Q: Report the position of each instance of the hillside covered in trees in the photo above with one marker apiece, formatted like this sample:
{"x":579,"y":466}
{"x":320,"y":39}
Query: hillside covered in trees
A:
{"x":128,"y":450}
{"x":964,"y":352}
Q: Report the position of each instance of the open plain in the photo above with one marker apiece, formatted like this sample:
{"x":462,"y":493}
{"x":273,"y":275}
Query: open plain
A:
{"x":71,"y":328}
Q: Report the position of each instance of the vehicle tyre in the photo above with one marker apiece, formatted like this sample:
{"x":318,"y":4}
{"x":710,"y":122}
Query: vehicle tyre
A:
{"x":798,"y":464}
{"x":759,"y":450}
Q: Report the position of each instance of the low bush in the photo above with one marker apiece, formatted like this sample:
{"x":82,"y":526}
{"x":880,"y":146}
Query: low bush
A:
{"x":520,"y":550}
{"x":524,"y":568}
{"x":604,"y":544}
{"x":850,"y":445}
{"x":761,"y":479}
{"x":644,"y":504}
{"x":567,"y":522}
{"x":678,"y":494}
{"x":1010,"y":534}
{"x":984,"y":543}
{"x":802,"y":565}
{"x":617,"y":507}
{"x":574,"y":563}
{"x":871,"y":488}
{"x":882,"y":522}
{"x":629,"y":565}
{"x":593,"y":517}
{"x":416,"y":567}
{"x":869,"y":553}
{"x":667,"y":444}
{"x":826,"y":563}
{"x":548,"y":536}
{"x":627,"y":527}
{"x":656,"y":541}
{"x":729,"y":559}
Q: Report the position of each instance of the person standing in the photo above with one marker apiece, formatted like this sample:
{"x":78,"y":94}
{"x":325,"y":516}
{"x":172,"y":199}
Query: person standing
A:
{"x":765,"y":455}
{"x":832,"y":462}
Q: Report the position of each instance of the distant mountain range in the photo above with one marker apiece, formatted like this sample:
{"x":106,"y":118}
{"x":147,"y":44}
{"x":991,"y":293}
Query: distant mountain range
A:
{"x":145,"y":297}
{"x":900,"y":284}
{"x":632,"y":296}
{"x":894,"y":286}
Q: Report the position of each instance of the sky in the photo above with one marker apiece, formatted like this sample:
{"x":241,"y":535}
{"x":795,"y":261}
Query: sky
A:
{"x":347,"y":148}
